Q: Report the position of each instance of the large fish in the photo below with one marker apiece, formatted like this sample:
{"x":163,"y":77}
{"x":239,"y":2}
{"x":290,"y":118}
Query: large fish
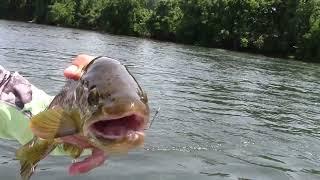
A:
{"x":105,"y":110}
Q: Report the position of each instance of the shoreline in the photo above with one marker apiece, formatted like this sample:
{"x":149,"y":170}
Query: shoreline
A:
{"x":97,"y":30}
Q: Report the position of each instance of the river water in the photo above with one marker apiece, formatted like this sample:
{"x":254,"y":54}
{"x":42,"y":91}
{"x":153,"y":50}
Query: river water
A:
{"x":224,"y":115}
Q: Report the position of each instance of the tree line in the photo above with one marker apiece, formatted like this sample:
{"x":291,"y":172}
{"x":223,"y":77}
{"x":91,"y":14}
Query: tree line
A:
{"x":286,"y":28}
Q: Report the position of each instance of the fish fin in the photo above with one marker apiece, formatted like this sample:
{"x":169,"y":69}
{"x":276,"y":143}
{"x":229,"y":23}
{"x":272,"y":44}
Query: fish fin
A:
{"x":59,"y":98}
{"x":31,"y":153}
{"x":55,"y":123}
{"x":72,"y":150}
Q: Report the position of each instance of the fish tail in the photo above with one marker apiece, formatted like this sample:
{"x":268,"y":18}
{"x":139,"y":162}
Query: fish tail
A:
{"x":26,"y":169}
{"x":31,"y":153}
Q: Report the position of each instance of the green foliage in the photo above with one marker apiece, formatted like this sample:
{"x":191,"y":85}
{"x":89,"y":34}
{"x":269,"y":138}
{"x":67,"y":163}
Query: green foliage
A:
{"x":16,"y":9}
{"x":124,"y":16}
{"x":308,"y":45}
{"x":165,"y":19}
{"x":89,"y":13}
{"x":277,"y":27}
{"x":40,"y":10}
{"x":142,"y":16}
{"x":4,"y":8}
{"x":63,"y":12}
{"x":193,"y":26}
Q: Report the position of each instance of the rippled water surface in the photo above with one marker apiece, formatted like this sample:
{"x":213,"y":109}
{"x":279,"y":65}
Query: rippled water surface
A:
{"x":224,"y":115}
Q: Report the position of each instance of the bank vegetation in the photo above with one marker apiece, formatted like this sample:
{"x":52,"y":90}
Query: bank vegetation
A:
{"x":283,"y":28}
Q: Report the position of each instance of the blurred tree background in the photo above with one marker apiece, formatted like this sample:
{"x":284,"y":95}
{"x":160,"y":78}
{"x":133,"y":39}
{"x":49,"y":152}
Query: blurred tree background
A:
{"x":274,"y":27}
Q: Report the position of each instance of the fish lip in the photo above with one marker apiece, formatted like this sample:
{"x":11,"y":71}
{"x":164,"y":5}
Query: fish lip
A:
{"x":90,"y":130}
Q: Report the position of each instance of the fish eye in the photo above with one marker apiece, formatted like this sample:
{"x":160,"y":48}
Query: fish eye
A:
{"x":93,"y":97}
{"x":84,"y":82}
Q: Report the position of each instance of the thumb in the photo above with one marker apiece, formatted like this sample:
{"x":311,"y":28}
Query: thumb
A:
{"x":72,"y":72}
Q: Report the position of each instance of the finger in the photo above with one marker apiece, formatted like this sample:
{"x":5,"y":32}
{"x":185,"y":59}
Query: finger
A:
{"x":82,"y":60}
{"x":72,"y":72}
{"x":97,"y":158}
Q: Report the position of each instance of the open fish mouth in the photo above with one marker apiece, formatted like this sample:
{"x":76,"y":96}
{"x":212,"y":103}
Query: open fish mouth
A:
{"x":127,"y":127}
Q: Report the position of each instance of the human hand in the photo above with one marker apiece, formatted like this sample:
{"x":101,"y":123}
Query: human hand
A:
{"x":78,"y":63}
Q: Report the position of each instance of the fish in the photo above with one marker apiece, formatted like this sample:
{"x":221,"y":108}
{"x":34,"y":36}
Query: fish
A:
{"x":106,"y":112}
